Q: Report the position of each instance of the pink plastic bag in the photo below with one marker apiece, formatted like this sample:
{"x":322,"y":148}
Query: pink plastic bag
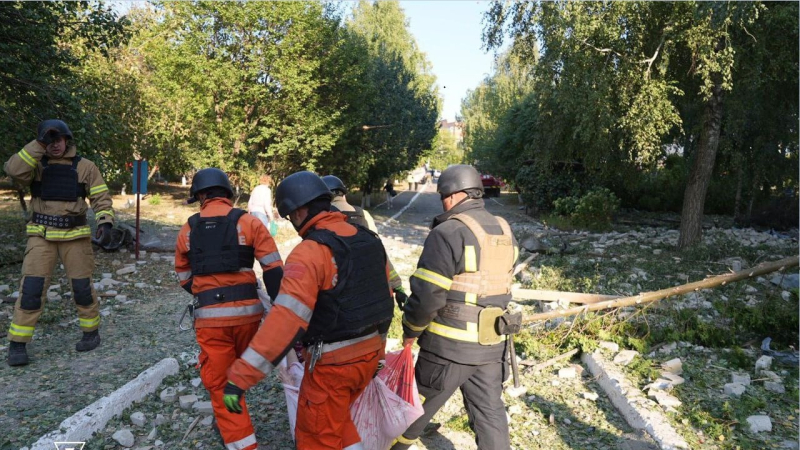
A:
{"x":290,"y":373}
{"x":380,"y":414}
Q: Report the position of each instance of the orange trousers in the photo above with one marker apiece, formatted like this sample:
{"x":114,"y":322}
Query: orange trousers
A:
{"x":323,"y":407}
{"x":219,"y":348}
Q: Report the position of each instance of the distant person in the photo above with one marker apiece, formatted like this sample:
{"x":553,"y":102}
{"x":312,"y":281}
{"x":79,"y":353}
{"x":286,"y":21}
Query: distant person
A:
{"x":390,"y":193}
{"x":260,"y":204}
{"x":60,"y":182}
{"x":214,"y":256}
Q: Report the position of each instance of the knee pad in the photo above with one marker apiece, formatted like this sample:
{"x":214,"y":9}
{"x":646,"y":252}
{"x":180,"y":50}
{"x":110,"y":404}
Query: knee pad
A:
{"x":82,"y":288}
{"x":31,"y":295}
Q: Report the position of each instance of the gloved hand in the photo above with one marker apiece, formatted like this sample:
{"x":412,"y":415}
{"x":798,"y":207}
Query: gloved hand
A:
{"x":102,"y":229}
{"x":232,"y":397}
{"x":400,"y":297}
{"x":408,"y":341}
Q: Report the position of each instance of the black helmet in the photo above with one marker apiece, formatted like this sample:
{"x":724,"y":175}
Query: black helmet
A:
{"x":52,"y":129}
{"x":334,"y":183}
{"x":207,"y":178}
{"x":459,"y":178}
{"x":298,"y":189}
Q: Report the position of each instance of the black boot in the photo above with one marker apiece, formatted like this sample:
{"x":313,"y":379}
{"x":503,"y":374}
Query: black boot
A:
{"x":17,"y":355}
{"x":89,"y":341}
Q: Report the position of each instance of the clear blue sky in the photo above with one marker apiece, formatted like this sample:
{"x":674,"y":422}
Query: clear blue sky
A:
{"x":449,"y":32}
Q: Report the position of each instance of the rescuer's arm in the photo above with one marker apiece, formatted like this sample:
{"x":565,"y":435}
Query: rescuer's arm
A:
{"x":22,"y":165}
{"x":182,"y":266}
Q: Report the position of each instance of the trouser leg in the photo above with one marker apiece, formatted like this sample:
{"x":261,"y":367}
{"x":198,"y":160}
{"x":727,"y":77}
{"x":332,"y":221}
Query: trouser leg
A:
{"x":437,"y":380}
{"x":484,"y":404}
{"x":219,"y":348}
{"x":40,"y":258}
{"x":323,"y":407}
{"x":78,"y":259}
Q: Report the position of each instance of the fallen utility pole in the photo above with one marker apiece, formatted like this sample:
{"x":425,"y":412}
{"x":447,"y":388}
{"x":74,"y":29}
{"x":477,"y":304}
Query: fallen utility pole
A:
{"x":554,"y":296}
{"x":654,"y":296}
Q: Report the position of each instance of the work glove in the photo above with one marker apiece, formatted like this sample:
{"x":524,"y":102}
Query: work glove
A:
{"x":232,"y":397}
{"x":104,"y":229}
{"x":400,"y":297}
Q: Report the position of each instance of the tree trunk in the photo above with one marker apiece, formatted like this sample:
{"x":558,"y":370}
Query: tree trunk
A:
{"x":694,"y":198}
{"x":153,"y":171}
{"x":753,"y":195}
{"x":737,"y":203}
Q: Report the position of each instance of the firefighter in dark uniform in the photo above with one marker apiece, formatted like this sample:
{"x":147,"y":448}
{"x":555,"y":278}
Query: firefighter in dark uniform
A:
{"x":61,"y":182}
{"x":359,"y":216}
{"x":458,"y":296}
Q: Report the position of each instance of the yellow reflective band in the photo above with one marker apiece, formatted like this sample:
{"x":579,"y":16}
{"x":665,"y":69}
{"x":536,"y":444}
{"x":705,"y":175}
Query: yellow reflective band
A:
{"x":516,"y":253}
{"x":89,"y":323}
{"x":35,"y":228}
{"x":78,"y":232}
{"x":98,"y":189}
{"x":25,"y":156}
{"x":105,"y":212}
{"x":403,"y":440}
{"x":412,"y":326}
{"x":470,"y":298}
{"x":468,"y":335}
{"x":470,"y":261}
{"x":19,"y":330}
{"x":393,"y":274}
{"x":434,"y":278}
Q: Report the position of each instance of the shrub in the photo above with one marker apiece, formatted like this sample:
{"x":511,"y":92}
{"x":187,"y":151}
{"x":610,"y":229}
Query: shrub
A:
{"x":539,"y":187}
{"x":154,"y":199}
{"x":565,"y":206}
{"x":597,"y":206}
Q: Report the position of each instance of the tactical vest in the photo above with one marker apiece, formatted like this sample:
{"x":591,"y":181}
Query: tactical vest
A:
{"x":214,"y":244}
{"x":354,"y":217}
{"x":59,"y":182}
{"x":483,"y":288}
{"x":360,"y":300}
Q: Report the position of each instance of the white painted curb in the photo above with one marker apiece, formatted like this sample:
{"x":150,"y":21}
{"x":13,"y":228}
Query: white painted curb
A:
{"x":638,"y":410}
{"x":82,"y":424}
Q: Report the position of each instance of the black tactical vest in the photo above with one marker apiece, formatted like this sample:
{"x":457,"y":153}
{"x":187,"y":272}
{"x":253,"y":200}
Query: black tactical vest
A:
{"x":59,"y":182}
{"x":360,"y":300}
{"x":214,"y":244}
{"x":355,"y":217}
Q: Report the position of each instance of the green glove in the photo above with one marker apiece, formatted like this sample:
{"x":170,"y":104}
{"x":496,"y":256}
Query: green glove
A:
{"x":232,"y":397}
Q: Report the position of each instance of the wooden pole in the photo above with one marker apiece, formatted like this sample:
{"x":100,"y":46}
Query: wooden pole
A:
{"x":554,"y":296}
{"x":654,"y":296}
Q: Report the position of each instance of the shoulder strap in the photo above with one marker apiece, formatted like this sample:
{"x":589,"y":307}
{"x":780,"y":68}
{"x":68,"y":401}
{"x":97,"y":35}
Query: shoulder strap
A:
{"x":75,"y":162}
{"x":44,"y":161}
{"x":193,"y":220}
{"x":235,"y":214}
{"x":472,"y":224}
{"x":504,"y":226}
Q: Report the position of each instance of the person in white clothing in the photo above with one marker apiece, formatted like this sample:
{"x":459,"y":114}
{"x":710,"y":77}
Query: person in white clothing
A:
{"x":260,"y":204}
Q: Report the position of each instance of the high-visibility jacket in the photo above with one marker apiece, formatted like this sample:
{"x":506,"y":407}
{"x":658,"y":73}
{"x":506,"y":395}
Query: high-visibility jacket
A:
{"x":25,"y":168}
{"x":251,"y":233}
{"x":309,"y":271}
{"x":455,"y":280}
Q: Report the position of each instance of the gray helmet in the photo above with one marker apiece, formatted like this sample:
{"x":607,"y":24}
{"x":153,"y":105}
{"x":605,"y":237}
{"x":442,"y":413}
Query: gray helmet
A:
{"x":52,"y":129}
{"x":334,"y":183}
{"x":459,"y":178}
{"x":298,"y":189}
{"x":208,"y":178}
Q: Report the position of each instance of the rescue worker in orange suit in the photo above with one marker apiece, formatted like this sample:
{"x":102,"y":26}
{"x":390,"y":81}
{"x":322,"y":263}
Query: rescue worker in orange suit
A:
{"x":214,"y":257}
{"x":357,"y":215}
{"x":60,"y":183}
{"x":334,"y":296}
{"x":458,"y":294}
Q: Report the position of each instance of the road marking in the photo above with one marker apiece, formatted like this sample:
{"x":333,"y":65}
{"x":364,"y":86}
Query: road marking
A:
{"x":404,"y":208}
{"x":496,"y":202}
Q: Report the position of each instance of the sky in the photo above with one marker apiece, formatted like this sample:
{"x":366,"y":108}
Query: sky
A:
{"x":449,"y":32}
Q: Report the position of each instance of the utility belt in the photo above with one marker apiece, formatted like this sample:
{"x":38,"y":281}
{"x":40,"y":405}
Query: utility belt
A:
{"x":494,"y":323}
{"x":64,"y":222}
{"x":319,"y":348}
{"x":226,"y":294}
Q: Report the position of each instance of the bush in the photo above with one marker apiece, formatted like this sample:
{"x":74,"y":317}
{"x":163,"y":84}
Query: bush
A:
{"x":154,"y":199}
{"x":598,"y":206}
{"x":540,"y":187}
{"x":565,"y":206}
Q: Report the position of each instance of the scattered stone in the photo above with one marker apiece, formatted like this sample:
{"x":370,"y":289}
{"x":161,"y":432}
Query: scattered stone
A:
{"x":674,"y":380}
{"x":790,"y":444}
{"x":613,"y":347}
{"x":567,"y":421}
{"x":774,"y":386}
{"x":741,"y":379}
{"x":734,"y":389}
{"x":159,"y":420}
{"x":567,"y":372}
{"x":168,"y":395}
{"x":107,"y":275}
{"x":141,"y":263}
{"x":669,"y":348}
{"x":203,"y":407}
{"x":673,"y":366}
{"x":158,"y":443}
{"x":4,"y":288}
{"x":116,"y":262}
{"x":591,"y":396}
{"x":771,"y":375}
{"x":785,"y":295}
{"x":763,"y":363}
{"x":105,"y":312}
{"x":108,"y":282}
{"x":516,"y":392}
{"x":140,"y":285}
{"x":207,"y":421}
{"x":657,"y":251}
{"x":667,"y":401}
{"x":138,"y":419}
{"x":126,"y":270}
{"x":186,"y":401}
{"x":155,"y":256}
{"x":786,"y":281}
{"x":14,"y":294}
{"x":759,"y":423}
{"x":196,"y":381}
{"x":750,"y":290}
{"x":661,"y":384}
{"x":53,"y":296}
{"x":124,"y":438}
{"x":121,"y":298}
{"x":514,"y":410}
{"x":625,"y":357}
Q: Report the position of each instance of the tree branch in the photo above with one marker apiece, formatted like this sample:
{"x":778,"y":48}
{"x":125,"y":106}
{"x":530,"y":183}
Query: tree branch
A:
{"x":601,"y":50}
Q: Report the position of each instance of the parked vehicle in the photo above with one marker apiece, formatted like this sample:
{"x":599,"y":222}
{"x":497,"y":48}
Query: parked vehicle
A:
{"x":492,"y":185}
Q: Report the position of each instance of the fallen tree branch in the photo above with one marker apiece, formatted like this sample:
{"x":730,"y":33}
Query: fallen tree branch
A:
{"x":554,"y":296}
{"x":543,"y":365}
{"x":654,"y":296}
{"x":191,"y":427}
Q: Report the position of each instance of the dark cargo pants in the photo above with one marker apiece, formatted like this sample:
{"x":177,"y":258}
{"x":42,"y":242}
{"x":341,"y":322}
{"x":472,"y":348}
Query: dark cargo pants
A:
{"x":482,"y":388}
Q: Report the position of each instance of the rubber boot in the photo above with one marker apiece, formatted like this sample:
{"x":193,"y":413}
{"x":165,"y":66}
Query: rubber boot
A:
{"x":17,"y":355}
{"x":89,"y":341}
